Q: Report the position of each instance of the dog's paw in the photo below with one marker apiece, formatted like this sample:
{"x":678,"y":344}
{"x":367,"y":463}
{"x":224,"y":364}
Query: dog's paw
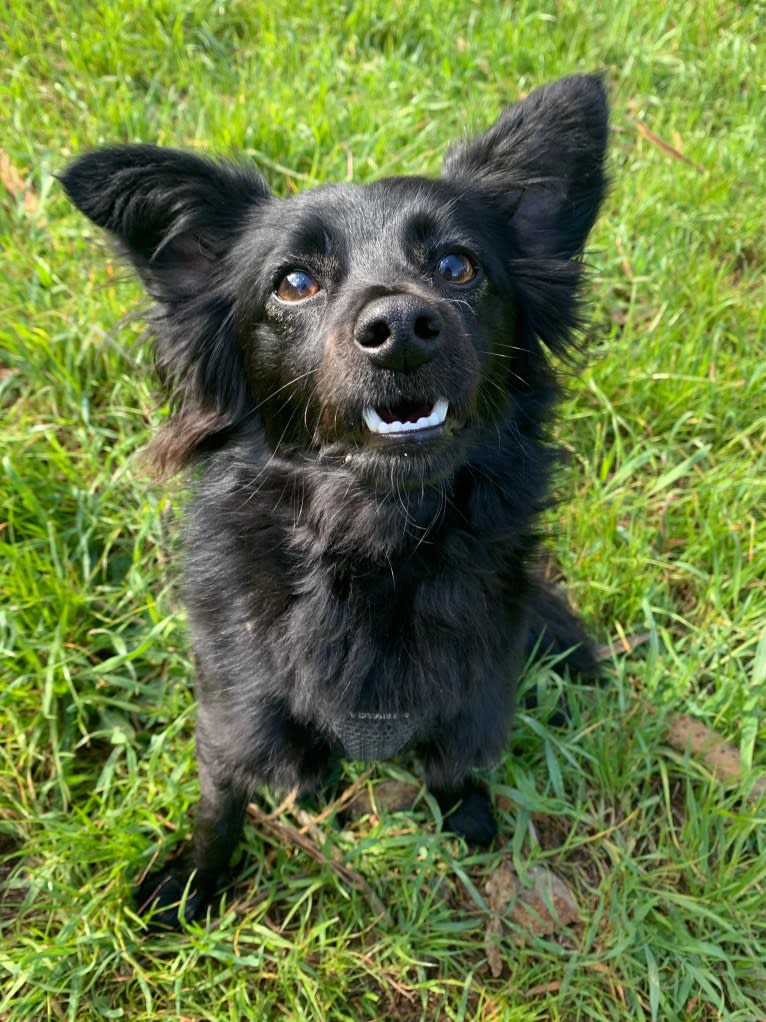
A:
{"x":472,"y":816}
{"x":171,"y":895}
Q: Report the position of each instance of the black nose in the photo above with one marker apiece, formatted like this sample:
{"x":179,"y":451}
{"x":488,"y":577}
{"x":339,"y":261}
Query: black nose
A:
{"x":399,"y":332}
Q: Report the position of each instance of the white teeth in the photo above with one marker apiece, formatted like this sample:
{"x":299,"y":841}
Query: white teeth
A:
{"x":373,"y":421}
{"x":376,"y":425}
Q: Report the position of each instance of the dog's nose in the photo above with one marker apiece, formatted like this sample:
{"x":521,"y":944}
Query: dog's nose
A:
{"x":399,"y":332}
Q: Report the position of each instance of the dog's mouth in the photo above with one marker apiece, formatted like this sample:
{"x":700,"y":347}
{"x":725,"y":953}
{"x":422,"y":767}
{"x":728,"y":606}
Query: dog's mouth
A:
{"x":406,"y":417}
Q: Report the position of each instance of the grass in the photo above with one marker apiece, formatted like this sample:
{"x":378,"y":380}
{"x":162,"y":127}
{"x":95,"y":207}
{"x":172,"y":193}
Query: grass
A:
{"x":660,"y":531}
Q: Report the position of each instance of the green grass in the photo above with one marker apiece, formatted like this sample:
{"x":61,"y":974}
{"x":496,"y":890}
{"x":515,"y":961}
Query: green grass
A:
{"x":660,"y":531}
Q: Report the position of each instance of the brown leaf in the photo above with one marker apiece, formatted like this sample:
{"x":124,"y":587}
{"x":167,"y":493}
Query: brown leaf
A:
{"x":17,"y":186}
{"x":547,"y":906}
{"x":492,"y":935}
{"x":685,"y":734}
{"x":501,"y":887}
{"x":623,"y":644}
{"x":387,"y":796}
{"x":542,"y":908}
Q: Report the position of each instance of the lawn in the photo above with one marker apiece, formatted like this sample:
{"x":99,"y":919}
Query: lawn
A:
{"x":644,"y":822}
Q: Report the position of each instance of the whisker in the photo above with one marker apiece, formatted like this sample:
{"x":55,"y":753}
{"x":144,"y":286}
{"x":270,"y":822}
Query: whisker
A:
{"x":295,"y":379}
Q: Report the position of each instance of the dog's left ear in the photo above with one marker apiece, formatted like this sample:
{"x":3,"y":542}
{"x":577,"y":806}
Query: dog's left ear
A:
{"x":172,"y":213}
{"x":542,"y":161}
{"x":176,"y":217}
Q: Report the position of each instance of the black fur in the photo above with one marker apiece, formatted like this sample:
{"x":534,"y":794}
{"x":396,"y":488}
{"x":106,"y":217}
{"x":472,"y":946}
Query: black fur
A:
{"x":332,"y":571}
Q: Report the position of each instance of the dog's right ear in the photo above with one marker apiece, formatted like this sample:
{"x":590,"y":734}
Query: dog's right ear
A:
{"x":173,"y":213}
{"x":175,"y":216}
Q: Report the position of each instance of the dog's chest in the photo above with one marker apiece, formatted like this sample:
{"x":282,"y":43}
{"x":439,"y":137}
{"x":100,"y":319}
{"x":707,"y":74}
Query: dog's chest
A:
{"x":381,"y":663}
{"x":374,"y":645}
{"x":379,"y":651}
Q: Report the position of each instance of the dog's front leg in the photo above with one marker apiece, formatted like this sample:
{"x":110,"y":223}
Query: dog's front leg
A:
{"x":463,"y":799}
{"x":189,"y":881}
{"x":474,"y":738}
{"x":467,"y":809}
{"x":237,"y":752}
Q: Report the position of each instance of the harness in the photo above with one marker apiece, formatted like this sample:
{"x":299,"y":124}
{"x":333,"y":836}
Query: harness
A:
{"x":369,"y":736}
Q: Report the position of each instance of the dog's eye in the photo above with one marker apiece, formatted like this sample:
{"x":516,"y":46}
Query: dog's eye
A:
{"x":296,"y":286}
{"x":456,"y":268}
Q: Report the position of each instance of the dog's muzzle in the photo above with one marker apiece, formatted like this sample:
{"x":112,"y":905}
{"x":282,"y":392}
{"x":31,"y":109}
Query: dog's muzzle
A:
{"x":370,"y":736}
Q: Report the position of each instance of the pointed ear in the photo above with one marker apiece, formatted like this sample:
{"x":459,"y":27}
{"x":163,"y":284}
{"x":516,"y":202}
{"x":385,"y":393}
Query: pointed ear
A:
{"x":175,"y":216}
{"x":542,"y":161}
{"x":173,"y":213}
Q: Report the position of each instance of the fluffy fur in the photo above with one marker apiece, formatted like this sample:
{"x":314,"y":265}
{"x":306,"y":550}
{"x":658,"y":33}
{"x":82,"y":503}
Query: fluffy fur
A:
{"x":337,"y":577}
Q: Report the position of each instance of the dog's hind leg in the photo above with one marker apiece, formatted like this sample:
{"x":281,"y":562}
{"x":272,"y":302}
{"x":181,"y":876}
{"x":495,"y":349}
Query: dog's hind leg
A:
{"x":557,"y":633}
{"x":555,"y":630}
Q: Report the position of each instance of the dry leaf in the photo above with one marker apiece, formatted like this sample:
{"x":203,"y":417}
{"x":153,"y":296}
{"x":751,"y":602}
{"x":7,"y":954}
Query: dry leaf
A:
{"x":623,"y":644}
{"x":388,"y":796}
{"x":16,"y":185}
{"x":546,"y":906}
{"x":685,"y":734}
{"x":501,"y":887}
{"x":492,"y":934}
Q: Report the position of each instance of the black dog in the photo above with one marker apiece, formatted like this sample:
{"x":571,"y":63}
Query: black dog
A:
{"x":359,"y":375}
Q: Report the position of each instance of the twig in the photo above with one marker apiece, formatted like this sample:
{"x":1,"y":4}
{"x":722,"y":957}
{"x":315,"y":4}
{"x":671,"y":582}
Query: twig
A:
{"x":285,"y":833}
{"x":667,"y":147}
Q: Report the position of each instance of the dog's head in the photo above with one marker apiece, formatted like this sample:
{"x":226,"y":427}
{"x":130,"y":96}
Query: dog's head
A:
{"x":383,"y":327}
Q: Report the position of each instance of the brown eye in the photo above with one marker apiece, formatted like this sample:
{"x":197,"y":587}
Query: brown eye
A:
{"x":456,"y":268}
{"x":296,"y":286}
